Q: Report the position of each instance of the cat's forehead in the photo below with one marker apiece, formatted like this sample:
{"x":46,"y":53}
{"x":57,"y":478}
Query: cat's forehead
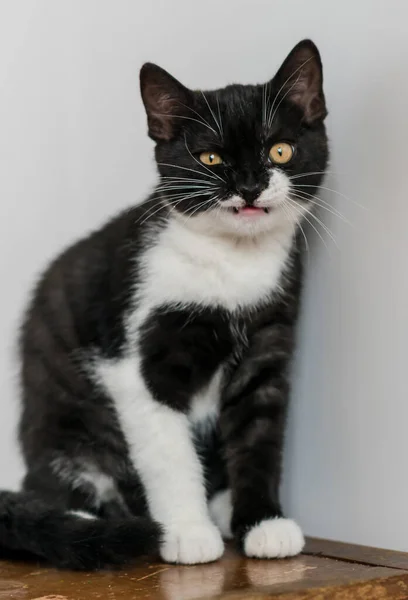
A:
{"x":231,"y":114}
{"x":232,"y":103}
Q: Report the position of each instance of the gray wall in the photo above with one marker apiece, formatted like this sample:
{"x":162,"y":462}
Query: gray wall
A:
{"x":73,"y":150}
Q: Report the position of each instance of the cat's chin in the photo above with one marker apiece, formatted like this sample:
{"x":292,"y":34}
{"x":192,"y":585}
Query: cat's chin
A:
{"x":227,"y":222}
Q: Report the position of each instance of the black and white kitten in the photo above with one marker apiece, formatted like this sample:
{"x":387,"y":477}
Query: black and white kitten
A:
{"x":155,"y":352}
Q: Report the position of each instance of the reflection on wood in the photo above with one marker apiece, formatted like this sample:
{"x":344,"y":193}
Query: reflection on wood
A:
{"x":328,"y":570}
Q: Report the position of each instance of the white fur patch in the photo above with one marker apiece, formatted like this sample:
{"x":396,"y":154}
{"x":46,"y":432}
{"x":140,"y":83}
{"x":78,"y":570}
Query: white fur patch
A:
{"x":184,"y":266}
{"x":274,"y":538}
{"x":220,"y":508}
{"x":82,"y":514}
{"x":277,"y":190}
{"x":205,"y":404}
{"x":104,"y":486}
{"x":192,"y":543}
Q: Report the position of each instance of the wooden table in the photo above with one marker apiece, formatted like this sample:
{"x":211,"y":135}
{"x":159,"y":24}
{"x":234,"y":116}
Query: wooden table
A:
{"x":327,"y":570}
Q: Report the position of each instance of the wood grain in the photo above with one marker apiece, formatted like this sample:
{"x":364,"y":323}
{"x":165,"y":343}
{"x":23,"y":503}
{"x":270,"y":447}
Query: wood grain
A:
{"x":352,"y":552}
{"x":329,"y":570}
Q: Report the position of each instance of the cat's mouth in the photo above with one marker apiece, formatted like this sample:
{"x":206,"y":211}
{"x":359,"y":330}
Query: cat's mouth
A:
{"x":250,"y":211}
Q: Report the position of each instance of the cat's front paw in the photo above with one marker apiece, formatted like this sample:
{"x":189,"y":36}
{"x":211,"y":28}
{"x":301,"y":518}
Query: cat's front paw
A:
{"x":274,"y":538}
{"x":191,"y":543}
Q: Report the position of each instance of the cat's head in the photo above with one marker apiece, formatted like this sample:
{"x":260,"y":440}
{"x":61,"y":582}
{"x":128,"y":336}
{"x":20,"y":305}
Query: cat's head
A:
{"x":244,"y":159}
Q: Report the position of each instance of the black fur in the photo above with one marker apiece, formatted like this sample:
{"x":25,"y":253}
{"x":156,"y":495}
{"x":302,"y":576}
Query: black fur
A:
{"x":78,"y":306}
{"x":43,"y":530}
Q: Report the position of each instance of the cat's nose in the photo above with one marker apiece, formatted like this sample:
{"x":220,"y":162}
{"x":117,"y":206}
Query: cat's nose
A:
{"x":249,"y":191}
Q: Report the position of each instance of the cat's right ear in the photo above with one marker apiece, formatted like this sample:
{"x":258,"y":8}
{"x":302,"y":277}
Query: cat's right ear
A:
{"x":165,"y":101}
{"x":300,"y":81}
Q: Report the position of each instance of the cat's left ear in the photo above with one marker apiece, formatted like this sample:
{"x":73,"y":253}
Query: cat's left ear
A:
{"x":165,"y":101}
{"x":300,"y":81}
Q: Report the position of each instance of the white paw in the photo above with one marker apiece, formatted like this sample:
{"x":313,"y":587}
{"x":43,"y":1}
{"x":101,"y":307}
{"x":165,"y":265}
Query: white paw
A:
{"x":220,"y":508}
{"x":191,"y":543}
{"x":274,"y":538}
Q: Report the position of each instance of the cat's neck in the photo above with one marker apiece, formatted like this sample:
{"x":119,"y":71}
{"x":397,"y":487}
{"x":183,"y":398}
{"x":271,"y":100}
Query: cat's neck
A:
{"x":186,"y":265}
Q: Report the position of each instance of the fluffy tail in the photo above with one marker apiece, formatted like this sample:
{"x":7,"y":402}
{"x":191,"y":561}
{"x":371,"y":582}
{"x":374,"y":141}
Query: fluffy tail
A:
{"x":30,"y":527}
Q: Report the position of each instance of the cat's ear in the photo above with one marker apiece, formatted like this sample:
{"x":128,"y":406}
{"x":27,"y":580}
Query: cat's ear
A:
{"x":300,"y":81}
{"x":165,"y":100}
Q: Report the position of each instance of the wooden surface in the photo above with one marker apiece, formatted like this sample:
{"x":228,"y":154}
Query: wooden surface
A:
{"x":361,"y":554}
{"x":327,"y":570}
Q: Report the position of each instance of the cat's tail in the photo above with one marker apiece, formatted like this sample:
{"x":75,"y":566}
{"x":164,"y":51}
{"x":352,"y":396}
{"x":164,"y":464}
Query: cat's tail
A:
{"x":73,"y":540}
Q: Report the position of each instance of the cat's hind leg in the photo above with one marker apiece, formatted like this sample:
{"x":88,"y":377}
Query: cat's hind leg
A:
{"x":220,"y":507}
{"x":76,"y":485}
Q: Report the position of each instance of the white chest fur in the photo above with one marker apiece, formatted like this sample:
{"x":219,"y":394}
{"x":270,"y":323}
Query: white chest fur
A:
{"x":184,"y":266}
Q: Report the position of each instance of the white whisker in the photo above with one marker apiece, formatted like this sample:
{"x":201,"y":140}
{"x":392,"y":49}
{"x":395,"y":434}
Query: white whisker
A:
{"x":299,"y":185}
{"x":197,"y":208}
{"x":316,"y":230}
{"x":298,"y":222}
{"x":270,"y":120}
{"x":292,"y":218}
{"x":264,"y":87}
{"x":203,"y":120}
{"x":212,"y":112}
{"x":315,"y":200}
{"x":319,"y":221}
{"x":219,"y":116}
{"x":283,"y":85}
{"x":181,"y":179}
{"x":298,"y":175}
{"x":306,"y":242}
{"x":188,"y":118}
{"x":165,"y":188}
{"x":188,"y":169}
{"x":157,"y":209}
{"x":167,"y":201}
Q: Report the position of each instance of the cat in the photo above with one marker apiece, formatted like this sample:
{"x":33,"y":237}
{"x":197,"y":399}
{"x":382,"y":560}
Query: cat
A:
{"x":155,"y":352}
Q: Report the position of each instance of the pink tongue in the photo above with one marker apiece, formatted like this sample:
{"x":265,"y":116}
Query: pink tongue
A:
{"x":250,"y":210}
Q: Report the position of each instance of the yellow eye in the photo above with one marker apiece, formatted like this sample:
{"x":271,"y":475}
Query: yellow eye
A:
{"x":210,"y":158}
{"x":281,"y":153}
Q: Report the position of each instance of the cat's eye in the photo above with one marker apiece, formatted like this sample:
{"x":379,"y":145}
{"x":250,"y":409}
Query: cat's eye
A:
{"x":281,"y":153}
{"x":210,"y":158}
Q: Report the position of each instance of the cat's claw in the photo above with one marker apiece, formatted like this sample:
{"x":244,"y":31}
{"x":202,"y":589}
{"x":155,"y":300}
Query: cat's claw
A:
{"x":274,"y":538}
{"x":191,"y":543}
